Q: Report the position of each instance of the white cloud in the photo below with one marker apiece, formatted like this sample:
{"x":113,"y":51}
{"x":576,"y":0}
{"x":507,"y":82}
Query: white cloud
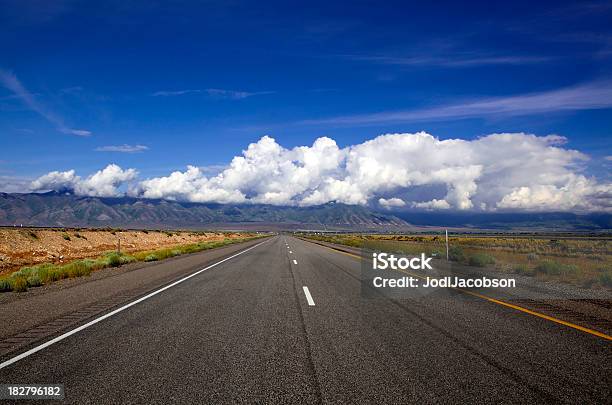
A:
{"x":125,"y":148}
{"x":103,"y":183}
{"x":434,"y":204}
{"x":588,"y":96}
{"x":77,"y":132}
{"x":168,"y":93}
{"x":391,"y":202}
{"x":215,"y":93}
{"x":13,"y":184}
{"x":456,"y":60}
{"x":10,"y":81}
{"x":508,"y":171}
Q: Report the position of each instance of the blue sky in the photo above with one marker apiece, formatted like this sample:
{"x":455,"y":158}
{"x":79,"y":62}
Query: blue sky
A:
{"x":196,"y":82}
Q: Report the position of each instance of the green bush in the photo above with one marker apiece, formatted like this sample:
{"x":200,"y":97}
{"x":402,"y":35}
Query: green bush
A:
{"x":605,"y":279}
{"x":34,"y":281}
{"x":552,"y":268}
{"x":151,"y":258}
{"x":5,"y":285}
{"x":113,"y":259}
{"x":523,"y":269}
{"x":56,"y":274}
{"x":125,"y":259}
{"x":19,"y":284}
{"x":66,"y":236}
{"x":481,"y":260}
{"x":77,"y":268}
{"x":455,"y":253}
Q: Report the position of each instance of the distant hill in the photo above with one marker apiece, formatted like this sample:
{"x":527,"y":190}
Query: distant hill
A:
{"x":546,"y":221}
{"x":65,"y":210}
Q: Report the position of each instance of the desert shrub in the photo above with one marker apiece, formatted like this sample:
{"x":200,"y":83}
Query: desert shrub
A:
{"x":552,"y":268}
{"x":523,"y":269}
{"x":57,"y":274}
{"x":481,"y":260}
{"x":76,"y":268}
{"x":48,"y":272}
{"x":532,"y":257}
{"x":19,"y":284}
{"x":113,"y":259}
{"x":5,"y":285}
{"x":34,"y":281}
{"x":605,"y":278}
{"x":32,"y":235}
{"x":127,"y":259}
{"x":191,"y":248}
{"x":456,"y":254}
{"x":43,"y":274}
{"x":66,"y":236}
{"x":150,"y":258}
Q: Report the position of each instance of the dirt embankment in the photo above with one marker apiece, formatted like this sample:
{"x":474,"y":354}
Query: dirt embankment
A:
{"x":26,"y":246}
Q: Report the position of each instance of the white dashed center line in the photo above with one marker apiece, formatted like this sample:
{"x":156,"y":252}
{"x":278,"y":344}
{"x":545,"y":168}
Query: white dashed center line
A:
{"x":294,"y":261}
{"x":308,"y":297}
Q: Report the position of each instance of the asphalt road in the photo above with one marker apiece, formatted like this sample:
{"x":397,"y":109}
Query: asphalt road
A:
{"x":246,"y":331}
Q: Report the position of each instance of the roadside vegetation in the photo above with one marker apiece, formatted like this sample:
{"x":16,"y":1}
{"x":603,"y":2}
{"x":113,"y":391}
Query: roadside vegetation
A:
{"x":583,"y":261}
{"x":41,"y":274}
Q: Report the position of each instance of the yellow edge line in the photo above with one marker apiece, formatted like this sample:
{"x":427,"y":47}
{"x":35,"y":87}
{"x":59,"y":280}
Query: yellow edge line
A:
{"x":505,"y":304}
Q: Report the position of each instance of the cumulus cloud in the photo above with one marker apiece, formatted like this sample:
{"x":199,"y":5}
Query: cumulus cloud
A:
{"x":434,"y":204}
{"x":507,"y":171}
{"x":391,"y":202}
{"x":103,"y":183}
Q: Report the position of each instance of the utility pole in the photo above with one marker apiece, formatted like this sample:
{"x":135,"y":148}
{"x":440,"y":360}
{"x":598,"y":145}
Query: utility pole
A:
{"x":446,"y":231}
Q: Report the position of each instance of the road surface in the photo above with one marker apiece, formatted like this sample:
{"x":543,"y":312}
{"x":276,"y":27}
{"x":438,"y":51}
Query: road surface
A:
{"x":285,"y":322}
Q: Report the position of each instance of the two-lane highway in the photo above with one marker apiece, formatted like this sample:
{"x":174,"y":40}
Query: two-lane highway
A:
{"x":286,"y":322}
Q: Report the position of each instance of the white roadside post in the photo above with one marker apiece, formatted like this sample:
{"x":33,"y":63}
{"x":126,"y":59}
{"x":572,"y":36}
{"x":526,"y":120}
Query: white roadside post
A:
{"x":446,"y":230}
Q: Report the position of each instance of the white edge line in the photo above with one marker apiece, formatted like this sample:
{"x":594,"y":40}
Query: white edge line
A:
{"x":290,"y":251}
{"x":308,"y":297}
{"x":294,"y":261}
{"x":116,"y":311}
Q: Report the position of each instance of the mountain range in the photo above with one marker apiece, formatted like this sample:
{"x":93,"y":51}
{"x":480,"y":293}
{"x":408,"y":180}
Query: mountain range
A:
{"x":67,"y":210}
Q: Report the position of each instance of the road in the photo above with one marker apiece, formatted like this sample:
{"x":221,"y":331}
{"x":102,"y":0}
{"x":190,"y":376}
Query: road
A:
{"x":246,"y":330}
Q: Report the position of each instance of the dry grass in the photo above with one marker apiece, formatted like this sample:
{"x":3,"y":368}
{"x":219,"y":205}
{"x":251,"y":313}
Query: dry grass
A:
{"x":45,"y":273}
{"x":585,"y":261}
{"x":21,"y":247}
